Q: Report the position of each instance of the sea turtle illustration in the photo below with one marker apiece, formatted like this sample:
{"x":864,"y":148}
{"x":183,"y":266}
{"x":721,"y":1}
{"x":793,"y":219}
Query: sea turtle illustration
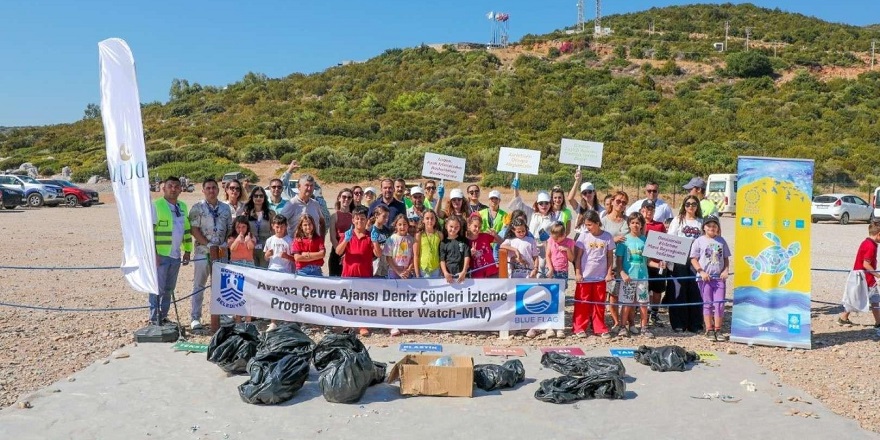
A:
{"x":774,"y":259}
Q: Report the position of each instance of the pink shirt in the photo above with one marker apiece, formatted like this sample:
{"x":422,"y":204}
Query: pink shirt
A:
{"x":559,"y":258}
{"x":594,"y":261}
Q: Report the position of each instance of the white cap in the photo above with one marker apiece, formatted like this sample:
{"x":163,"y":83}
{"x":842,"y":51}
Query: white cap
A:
{"x":416,"y":190}
{"x":494,"y":193}
{"x":587,"y":186}
{"x":370,"y":189}
{"x":543,"y":197}
{"x":456,"y":194}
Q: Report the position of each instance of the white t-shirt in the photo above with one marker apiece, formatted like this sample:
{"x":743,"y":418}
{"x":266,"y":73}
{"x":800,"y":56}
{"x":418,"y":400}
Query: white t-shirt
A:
{"x":683,"y":227}
{"x":527,"y":249}
{"x":662,"y":210}
{"x":279,"y":246}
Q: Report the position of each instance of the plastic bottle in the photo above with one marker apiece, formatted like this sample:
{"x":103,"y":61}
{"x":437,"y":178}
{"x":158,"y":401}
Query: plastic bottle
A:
{"x":444,"y":361}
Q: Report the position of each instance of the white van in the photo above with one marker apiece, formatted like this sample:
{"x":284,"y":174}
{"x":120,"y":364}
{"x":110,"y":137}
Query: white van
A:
{"x":875,"y":202}
{"x":721,"y":189}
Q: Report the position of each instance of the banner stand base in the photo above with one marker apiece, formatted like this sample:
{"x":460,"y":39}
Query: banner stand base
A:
{"x":157,"y":333}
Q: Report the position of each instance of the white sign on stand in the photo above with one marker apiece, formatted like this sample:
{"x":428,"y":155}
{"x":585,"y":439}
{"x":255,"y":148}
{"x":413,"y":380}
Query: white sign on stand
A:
{"x":668,"y":247}
{"x":443,"y":167}
{"x":582,"y":153}
{"x":518,"y":160}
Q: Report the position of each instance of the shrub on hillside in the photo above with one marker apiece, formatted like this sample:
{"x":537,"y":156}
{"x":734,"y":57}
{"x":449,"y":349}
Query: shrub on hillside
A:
{"x":749,"y":65}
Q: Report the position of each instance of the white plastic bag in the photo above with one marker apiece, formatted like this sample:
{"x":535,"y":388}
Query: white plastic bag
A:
{"x":855,"y":293}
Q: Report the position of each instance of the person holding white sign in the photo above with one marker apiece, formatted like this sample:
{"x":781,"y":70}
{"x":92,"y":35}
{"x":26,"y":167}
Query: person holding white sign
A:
{"x":656,"y":283}
{"x":431,"y":198}
{"x":662,"y":211}
{"x":541,"y":217}
{"x":455,"y":207}
{"x":589,"y":199}
{"x":688,"y":223}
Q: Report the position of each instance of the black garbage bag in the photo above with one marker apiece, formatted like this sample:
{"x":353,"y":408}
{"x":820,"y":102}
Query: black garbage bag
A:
{"x":565,"y":389}
{"x":331,"y":347}
{"x":379,"y":369}
{"x":273,"y":382}
{"x":666,"y":358}
{"x":580,"y":366}
{"x":490,"y":377}
{"x":233,"y":346}
{"x":285,"y":340}
{"x":345,"y":380}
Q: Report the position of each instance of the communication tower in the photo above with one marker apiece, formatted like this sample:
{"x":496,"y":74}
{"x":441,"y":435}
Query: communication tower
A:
{"x":580,"y":22}
{"x":597,"y":26}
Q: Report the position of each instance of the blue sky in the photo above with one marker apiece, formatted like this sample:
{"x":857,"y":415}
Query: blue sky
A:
{"x":49,"y":54}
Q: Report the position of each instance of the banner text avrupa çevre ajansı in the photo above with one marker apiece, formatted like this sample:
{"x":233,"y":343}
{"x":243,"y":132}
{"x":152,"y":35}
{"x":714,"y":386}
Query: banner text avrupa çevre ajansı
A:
{"x":427,"y":304}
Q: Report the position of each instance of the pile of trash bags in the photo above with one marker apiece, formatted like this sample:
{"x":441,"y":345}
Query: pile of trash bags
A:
{"x":278,"y":363}
{"x":346,"y":368}
{"x":583,"y":378}
{"x":490,"y":377}
{"x":666,"y":358}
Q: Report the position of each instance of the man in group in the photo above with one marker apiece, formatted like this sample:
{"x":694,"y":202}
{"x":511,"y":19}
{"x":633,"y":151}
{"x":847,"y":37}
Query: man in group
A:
{"x":276,"y":188}
{"x":303,"y":203}
{"x":662,"y":210}
{"x":415,"y":203}
{"x":400,"y":189}
{"x":473,"y":196}
{"x":394,"y":206}
{"x":171,"y":231}
{"x":211,"y":222}
{"x":697,"y":188}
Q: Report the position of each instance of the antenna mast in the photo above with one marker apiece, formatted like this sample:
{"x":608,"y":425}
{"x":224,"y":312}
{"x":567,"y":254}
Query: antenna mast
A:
{"x":597,"y":29}
{"x":580,"y":22}
{"x":726,"y":31}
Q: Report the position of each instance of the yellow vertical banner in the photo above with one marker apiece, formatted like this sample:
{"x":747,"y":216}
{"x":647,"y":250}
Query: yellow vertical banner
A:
{"x":771,"y":281}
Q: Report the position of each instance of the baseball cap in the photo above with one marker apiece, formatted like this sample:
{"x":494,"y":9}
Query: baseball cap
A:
{"x":495,"y":194}
{"x":649,"y":204}
{"x":370,"y":189}
{"x":587,"y":186}
{"x":711,"y":219}
{"x":456,"y":194}
{"x":416,"y":190}
{"x":696,"y":182}
{"x":543,"y":197}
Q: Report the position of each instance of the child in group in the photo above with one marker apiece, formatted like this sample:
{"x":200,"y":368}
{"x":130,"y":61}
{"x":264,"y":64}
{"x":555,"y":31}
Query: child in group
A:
{"x":356,"y":250}
{"x":426,"y":249}
{"x":559,"y":253}
{"x":866,"y":260}
{"x":710,"y":257}
{"x":455,"y":252}
{"x":522,"y":254}
{"x":634,"y":274}
{"x":398,"y":253}
{"x":308,"y":248}
{"x":277,"y":252}
{"x":656,"y":283}
{"x":379,"y":233}
{"x":481,"y":249}
{"x":593,"y":269}
{"x":241,"y":242}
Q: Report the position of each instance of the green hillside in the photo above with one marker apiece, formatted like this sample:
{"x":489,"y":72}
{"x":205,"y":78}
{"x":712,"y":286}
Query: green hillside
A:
{"x":689,"y":110}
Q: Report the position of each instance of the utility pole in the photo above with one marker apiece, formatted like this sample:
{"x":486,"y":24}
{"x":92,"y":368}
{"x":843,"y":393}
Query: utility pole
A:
{"x":651,"y":26}
{"x":872,"y":54}
{"x":580,"y":23}
{"x":597,"y":29}
{"x":774,"y":49}
{"x":726,"y":31}
{"x":748,"y":34}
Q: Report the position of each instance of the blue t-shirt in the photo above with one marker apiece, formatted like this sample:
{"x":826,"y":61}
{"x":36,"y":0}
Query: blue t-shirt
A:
{"x":631,"y":250}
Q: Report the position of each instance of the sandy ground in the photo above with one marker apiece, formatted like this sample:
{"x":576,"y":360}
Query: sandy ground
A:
{"x":37,"y":348}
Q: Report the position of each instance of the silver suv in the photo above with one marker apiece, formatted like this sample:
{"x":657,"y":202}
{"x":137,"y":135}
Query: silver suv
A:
{"x":37,"y":194}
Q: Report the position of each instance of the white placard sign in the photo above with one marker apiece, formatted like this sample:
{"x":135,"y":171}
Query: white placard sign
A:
{"x":443,"y":167}
{"x":667,"y":247}
{"x":429,"y":304}
{"x":518,"y":160}
{"x":584,"y":153}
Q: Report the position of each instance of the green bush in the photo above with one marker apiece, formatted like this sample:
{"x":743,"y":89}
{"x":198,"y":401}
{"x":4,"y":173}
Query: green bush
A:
{"x":748,"y":64}
{"x":200,"y":170}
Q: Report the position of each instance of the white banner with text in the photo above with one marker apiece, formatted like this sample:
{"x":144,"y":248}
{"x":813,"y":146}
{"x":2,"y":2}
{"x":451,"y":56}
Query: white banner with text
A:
{"x":427,"y":304}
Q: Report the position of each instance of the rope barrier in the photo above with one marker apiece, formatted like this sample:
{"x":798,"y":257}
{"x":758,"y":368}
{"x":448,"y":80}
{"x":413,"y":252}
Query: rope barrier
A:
{"x":74,"y":267}
{"x":78,"y":309}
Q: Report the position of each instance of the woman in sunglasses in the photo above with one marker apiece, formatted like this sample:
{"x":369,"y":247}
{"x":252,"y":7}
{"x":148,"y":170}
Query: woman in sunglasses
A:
{"x":541,"y":217}
{"x":233,"y":196}
{"x":688,"y":223}
{"x":340,"y":223}
{"x":259,"y":216}
{"x":615,"y":223}
{"x":589,"y":199}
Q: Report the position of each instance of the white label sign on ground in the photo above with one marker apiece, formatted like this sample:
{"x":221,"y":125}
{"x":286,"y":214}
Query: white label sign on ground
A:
{"x":667,"y":247}
{"x":585,"y":153}
{"x":443,"y":167}
{"x":518,"y":160}
{"x":428,"y":304}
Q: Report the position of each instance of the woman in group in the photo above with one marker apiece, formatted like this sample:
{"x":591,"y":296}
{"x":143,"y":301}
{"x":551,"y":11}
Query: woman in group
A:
{"x":541,"y":217}
{"x":340,"y":222}
{"x":688,"y":223}
{"x":358,"y":193}
{"x":557,"y":203}
{"x":233,"y":196}
{"x":614,"y":222}
{"x":260,"y":217}
{"x":456,"y":206}
{"x":589,"y":199}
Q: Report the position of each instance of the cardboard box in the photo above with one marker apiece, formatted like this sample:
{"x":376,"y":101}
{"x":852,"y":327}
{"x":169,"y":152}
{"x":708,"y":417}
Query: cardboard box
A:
{"x":419,"y":377}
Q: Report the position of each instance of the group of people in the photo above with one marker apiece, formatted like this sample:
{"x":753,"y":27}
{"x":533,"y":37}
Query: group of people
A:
{"x":401,"y":232}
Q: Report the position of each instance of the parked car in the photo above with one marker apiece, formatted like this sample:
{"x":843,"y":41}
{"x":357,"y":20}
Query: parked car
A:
{"x":228,"y":177}
{"x":875,"y":202}
{"x":74,"y":195}
{"x":36,"y":193}
{"x":12,"y":197}
{"x":722,"y":190}
{"x":840,"y":207}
